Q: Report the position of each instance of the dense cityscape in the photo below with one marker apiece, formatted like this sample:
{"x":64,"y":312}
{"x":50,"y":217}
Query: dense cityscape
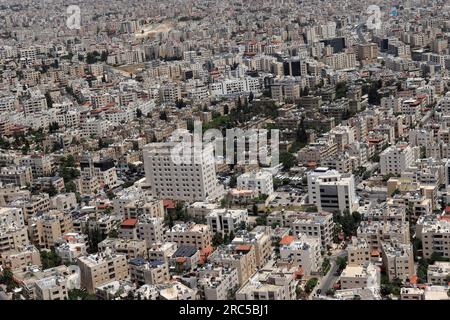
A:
{"x":224,"y":150}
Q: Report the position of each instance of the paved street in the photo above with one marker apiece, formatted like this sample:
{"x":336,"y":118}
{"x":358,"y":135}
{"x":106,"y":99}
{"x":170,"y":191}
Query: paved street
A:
{"x":329,"y":279}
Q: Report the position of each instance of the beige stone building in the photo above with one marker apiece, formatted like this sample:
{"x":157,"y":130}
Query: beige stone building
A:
{"x":260,"y":238}
{"x":198,"y":235}
{"x":101,"y":268}
{"x":51,"y":288}
{"x":398,"y":260}
{"x":277,"y":284}
{"x":45,"y":229}
{"x":21,"y":258}
{"x":131,"y":248}
{"x":242,"y":257}
{"x":148,"y":272}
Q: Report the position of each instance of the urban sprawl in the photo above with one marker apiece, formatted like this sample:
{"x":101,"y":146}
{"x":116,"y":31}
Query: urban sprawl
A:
{"x":354,"y":203}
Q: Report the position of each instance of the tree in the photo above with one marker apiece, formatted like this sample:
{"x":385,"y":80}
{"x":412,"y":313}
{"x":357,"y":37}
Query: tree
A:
{"x":311,"y":284}
{"x":250,"y":97}
{"x":80,"y":294}
{"x":217,"y":239}
{"x":138,"y":113}
{"x":287,"y":159}
{"x":341,"y":262}
{"x":50,"y":259}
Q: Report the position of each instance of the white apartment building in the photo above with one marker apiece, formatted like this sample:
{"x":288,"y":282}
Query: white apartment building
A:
{"x":190,"y":180}
{"x":365,"y":276}
{"x":218,"y":282}
{"x":438,"y":273}
{"x":303,"y":252}
{"x":260,"y":182}
{"x":396,"y":159}
{"x":225,"y":221}
{"x":330,"y":190}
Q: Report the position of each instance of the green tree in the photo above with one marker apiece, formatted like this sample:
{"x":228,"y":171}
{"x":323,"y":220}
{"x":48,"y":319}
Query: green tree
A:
{"x":287,"y":159}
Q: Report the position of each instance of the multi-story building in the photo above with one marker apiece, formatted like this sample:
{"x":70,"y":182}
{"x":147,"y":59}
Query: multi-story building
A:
{"x":398,"y":260}
{"x":358,"y":252}
{"x":45,"y":229}
{"x":277,"y":284}
{"x":98,"y":269}
{"x":20,"y":258}
{"x":188,"y":177}
{"x":396,"y":159}
{"x":148,"y":272}
{"x":241,"y":257}
{"x":438,"y":273}
{"x":315,"y":224}
{"x":218,"y":283}
{"x":365,"y":276}
{"x":149,"y":229}
{"x":20,"y":176}
{"x":226,"y":221}
{"x":198,"y":235}
{"x":330,"y":190}
{"x":434,"y":235}
{"x":130,"y":248}
{"x":302,"y":251}
{"x":261,"y":182}
{"x":260,"y":238}
{"x":52,"y":288}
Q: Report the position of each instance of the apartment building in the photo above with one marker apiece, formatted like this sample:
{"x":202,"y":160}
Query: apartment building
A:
{"x":20,"y":176}
{"x":192,"y":178}
{"x":396,"y":159}
{"x":398,"y":260}
{"x":315,"y":224}
{"x":358,"y":252}
{"x":260,"y":182}
{"x":149,"y":207}
{"x":435,"y":235}
{"x":98,"y":269}
{"x":20,"y":258}
{"x":226,"y":221}
{"x":150,"y":229}
{"x":71,"y":246}
{"x":276,"y":284}
{"x":439,"y":273}
{"x":332,"y":191}
{"x":185,"y":259}
{"x":302,"y":251}
{"x":260,"y":238}
{"x":162,"y":251}
{"x":241,"y":257}
{"x":218,"y":282}
{"x":32,"y":205}
{"x":13,"y":237}
{"x":198,"y":235}
{"x":131,"y":248}
{"x":45,"y":229}
{"x":365,"y":276}
{"x":148,"y":272}
{"x":52,"y":288}
{"x":41,"y":165}
{"x":375,"y":232}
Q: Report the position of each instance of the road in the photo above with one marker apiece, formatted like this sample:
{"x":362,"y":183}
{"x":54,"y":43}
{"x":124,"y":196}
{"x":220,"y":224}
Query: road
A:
{"x":328,"y":281}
